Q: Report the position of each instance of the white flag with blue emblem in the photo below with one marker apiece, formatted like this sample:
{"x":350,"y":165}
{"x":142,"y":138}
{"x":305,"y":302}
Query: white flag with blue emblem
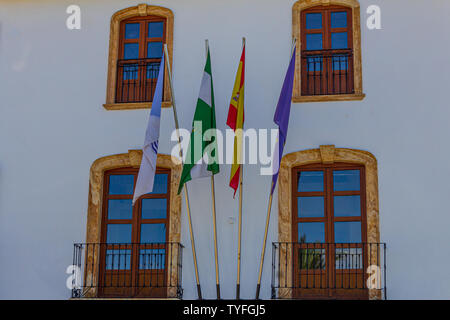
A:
{"x":146,"y":175}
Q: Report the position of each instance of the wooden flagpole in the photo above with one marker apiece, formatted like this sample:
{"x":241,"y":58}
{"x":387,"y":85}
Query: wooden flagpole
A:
{"x":186,"y":196}
{"x":215,"y":237}
{"x":238,"y":279}
{"x":269,"y":209}
{"x":213,"y":195}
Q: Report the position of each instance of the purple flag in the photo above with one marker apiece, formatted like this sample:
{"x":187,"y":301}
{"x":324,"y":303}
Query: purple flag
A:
{"x":281,"y":118}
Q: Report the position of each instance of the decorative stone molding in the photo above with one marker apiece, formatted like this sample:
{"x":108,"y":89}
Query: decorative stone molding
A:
{"x":323,"y":155}
{"x":93,"y":229}
{"x":114,"y":33}
{"x":297,"y":8}
{"x":327,"y":154}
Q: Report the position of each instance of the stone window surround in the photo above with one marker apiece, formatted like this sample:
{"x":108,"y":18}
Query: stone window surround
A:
{"x":114,"y":34}
{"x":94,"y":217}
{"x":325,"y":154}
{"x":297,"y":8}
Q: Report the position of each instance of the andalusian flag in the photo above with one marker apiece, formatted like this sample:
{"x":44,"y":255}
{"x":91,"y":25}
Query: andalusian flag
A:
{"x":235,"y":121}
{"x":204,"y":119}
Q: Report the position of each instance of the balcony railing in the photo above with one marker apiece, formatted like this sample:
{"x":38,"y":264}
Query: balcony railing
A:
{"x":328,"y":270}
{"x":327,"y":72}
{"x":127,"y":270}
{"x":136,"y":80}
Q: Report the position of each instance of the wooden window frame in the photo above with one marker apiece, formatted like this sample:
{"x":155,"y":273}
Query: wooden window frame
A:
{"x":136,"y":221}
{"x":328,"y":195}
{"x":144,"y":11}
{"x":145,"y":86}
{"x":297,"y":31}
{"x":324,"y":287}
{"x":328,"y":76}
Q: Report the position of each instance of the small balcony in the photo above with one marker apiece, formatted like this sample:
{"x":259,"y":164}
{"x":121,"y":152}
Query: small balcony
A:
{"x":127,"y":270}
{"x":328,"y":270}
{"x":136,"y":80}
{"x":327,"y":72}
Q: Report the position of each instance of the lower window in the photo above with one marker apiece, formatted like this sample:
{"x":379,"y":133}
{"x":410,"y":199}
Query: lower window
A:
{"x":329,"y":244}
{"x":134,"y":248}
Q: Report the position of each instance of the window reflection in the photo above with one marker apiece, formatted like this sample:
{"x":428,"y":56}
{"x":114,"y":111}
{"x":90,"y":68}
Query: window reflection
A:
{"x":347,"y":232}
{"x":311,"y":232}
{"x":346,"y":180}
{"x":310,"y":181}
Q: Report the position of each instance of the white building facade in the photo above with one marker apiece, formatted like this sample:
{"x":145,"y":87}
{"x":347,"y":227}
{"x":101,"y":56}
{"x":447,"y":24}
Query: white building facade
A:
{"x":363,"y":182}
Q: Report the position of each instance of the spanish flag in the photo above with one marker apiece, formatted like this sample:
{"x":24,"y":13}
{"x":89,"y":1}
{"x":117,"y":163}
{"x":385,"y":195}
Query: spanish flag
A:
{"x":235,"y":121}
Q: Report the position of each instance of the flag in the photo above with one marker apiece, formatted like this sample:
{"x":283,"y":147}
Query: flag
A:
{"x":281,"y":118}
{"x":195,"y":165}
{"x":147,"y":169}
{"x":235,"y":121}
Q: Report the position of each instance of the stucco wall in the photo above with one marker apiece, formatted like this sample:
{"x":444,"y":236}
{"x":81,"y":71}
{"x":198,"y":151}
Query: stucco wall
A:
{"x":53,"y":126}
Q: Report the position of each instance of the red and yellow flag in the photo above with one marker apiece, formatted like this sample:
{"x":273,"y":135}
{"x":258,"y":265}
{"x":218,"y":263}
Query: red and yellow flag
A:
{"x":235,"y":121}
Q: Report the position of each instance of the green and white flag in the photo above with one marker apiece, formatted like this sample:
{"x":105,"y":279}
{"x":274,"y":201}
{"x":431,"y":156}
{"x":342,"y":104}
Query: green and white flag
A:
{"x":201,"y":157}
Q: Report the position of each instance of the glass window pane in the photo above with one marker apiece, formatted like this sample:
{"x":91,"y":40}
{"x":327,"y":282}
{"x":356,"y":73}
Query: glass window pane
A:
{"x":155,"y":29}
{"x":312,"y":258}
{"x":118,"y":259}
{"x":346,"y":180}
{"x":120,"y":209}
{"x":349,"y":258}
{"x":153,"y":233}
{"x":152,"y":70}
{"x":310,"y":207}
{"x":311,"y":232}
{"x":313,"y":21}
{"x":340,"y":62}
{"x":121,"y":184}
{"x":347,"y":232}
{"x":314,"y":41}
{"x":154,"y":50}
{"x":132,"y":31}
{"x":310,"y":181}
{"x":315,"y":63}
{"x":152,"y":259}
{"x":339,"y":19}
{"x":339,"y":40}
{"x":118,"y":233}
{"x":154,"y":208}
{"x":347,"y":206}
{"x":131,"y":51}
{"x":160,"y":184}
{"x":130,"y":71}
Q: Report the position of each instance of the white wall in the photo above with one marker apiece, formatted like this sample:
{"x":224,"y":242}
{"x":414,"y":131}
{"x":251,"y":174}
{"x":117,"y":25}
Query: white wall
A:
{"x":53,"y":126}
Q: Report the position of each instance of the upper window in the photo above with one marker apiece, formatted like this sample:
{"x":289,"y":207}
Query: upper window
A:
{"x":329,"y":53}
{"x":137,"y":39}
{"x":140,"y":53}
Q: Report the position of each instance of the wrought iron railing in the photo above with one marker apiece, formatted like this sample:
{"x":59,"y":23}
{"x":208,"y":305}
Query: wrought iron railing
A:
{"x":327,"y":72}
{"x":127,"y":270}
{"x":328,"y":270}
{"x":136,"y":80}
